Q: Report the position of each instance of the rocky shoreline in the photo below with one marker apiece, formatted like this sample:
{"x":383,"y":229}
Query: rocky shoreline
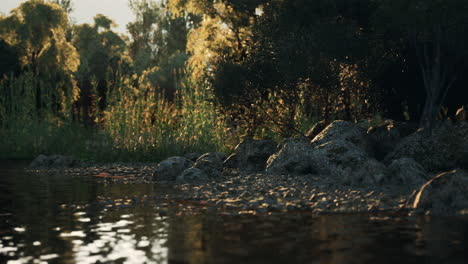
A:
{"x":338,"y":168}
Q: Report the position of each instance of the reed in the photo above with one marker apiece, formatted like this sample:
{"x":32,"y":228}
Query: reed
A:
{"x":138,"y":124}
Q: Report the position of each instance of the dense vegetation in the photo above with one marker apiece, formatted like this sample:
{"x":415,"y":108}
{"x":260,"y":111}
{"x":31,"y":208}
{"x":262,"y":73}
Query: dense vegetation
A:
{"x":198,"y":75}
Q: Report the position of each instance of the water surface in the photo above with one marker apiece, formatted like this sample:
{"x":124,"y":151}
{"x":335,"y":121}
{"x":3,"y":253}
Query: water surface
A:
{"x":63,"y":219}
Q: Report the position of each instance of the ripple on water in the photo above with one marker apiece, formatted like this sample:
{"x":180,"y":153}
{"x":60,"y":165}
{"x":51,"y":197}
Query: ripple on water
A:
{"x":61,"y":220}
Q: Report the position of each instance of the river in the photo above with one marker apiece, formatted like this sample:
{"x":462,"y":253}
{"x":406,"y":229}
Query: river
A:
{"x":64,"y":219}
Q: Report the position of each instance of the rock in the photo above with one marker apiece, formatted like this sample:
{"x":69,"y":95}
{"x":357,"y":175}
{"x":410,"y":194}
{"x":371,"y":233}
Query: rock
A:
{"x":192,"y":175}
{"x":42,"y":161}
{"x":406,"y":172}
{"x":316,"y":129}
{"x":169,"y":169}
{"x":339,"y":159}
{"x":445,"y":194}
{"x":385,"y":137}
{"x":211,"y":163}
{"x":344,"y":130}
{"x":296,"y":156}
{"x":364,"y":123}
{"x":63,"y":161}
{"x":251,"y":155}
{"x":53,"y":161}
{"x":350,"y":164}
{"x":192,"y":156}
{"x":445,"y":148}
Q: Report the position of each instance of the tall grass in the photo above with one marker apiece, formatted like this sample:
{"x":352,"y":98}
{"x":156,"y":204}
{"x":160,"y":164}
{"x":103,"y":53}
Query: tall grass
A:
{"x":138,"y":124}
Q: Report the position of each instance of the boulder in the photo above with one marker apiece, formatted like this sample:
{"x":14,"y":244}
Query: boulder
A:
{"x":41,"y":161}
{"x":350,"y":164}
{"x":406,"y":172}
{"x":192,"y":175}
{"x":211,"y":164}
{"x":385,"y":137}
{"x":445,"y":194}
{"x":316,"y":129}
{"x":53,"y":161}
{"x":443,"y":149}
{"x":251,"y":155}
{"x":344,"y":130}
{"x":169,"y":169}
{"x":296,"y":156}
{"x":339,"y":159}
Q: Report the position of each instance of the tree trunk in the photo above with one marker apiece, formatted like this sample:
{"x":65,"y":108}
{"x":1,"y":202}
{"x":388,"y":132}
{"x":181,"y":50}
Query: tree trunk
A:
{"x":437,"y":78}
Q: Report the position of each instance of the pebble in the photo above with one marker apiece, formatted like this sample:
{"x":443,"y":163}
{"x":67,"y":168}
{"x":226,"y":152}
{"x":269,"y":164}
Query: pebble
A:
{"x":261,"y":193}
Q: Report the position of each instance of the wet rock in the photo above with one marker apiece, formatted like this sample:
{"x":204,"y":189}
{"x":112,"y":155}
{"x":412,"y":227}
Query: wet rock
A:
{"x":211,"y":163}
{"x":406,"y":172}
{"x":316,"y":129}
{"x":344,"y":130}
{"x":445,"y":194}
{"x":192,"y":175}
{"x":251,"y":155}
{"x":169,"y":169}
{"x":53,"y":161}
{"x":385,"y":137}
{"x":445,"y":148}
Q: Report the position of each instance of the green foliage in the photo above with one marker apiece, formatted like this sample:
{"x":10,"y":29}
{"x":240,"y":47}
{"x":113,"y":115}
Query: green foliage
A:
{"x":196,"y":75}
{"x":9,"y":59}
{"x":156,"y":34}
{"x":37,"y":29}
{"x":138,"y":126}
{"x":103,"y":63}
{"x":300,"y":63}
{"x":65,"y":4}
{"x":99,"y":47}
{"x":143,"y":125}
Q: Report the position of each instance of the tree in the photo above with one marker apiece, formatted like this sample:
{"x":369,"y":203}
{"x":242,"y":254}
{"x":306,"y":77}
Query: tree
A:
{"x":220,"y":33}
{"x":158,"y":45}
{"x":67,"y":5}
{"x":156,"y":34}
{"x":36,"y":29}
{"x":299,"y":57}
{"x":436,"y":30}
{"x":102,"y":59}
{"x":9,"y":59}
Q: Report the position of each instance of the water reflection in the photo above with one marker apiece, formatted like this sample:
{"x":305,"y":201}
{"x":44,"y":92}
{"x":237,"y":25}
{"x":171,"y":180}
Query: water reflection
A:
{"x":59,"y":219}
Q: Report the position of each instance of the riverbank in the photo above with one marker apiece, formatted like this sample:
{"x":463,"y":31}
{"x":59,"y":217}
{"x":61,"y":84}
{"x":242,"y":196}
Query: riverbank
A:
{"x":254,"y":193}
{"x":337,"y":168}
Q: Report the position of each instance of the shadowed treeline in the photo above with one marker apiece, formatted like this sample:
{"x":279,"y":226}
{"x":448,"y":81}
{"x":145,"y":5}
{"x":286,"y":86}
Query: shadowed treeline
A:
{"x":197,"y":75}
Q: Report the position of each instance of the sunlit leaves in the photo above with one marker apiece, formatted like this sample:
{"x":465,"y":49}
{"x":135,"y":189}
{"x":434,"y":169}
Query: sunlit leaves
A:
{"x":65,"y":4}
{"x":37,"y":29}
{"x":157,"y":34}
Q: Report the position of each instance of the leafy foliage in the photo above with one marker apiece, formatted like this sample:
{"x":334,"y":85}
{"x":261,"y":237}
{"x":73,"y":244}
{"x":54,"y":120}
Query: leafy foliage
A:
{"x":195,"y":75}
